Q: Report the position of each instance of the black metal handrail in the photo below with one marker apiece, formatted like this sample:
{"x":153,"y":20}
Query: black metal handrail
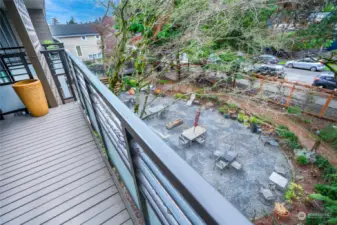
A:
{"x":14,"y":65}
{"x":159,"y":178}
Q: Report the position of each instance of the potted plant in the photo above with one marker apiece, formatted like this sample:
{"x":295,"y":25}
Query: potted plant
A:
{"x":281,"y":211}
{"x":232,"y":114}
{"x":32,"y":95}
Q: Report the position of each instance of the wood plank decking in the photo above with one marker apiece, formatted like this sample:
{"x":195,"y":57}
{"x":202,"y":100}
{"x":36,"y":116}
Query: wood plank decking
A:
{"x":51,"y":172}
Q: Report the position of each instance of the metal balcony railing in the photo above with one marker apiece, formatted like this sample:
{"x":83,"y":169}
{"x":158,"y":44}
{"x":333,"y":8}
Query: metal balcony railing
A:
{"x":14,"y":65}
{"x":163,"y":187}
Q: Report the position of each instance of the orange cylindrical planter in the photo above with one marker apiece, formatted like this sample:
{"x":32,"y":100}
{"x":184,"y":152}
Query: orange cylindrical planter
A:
{"x":32,"y":95}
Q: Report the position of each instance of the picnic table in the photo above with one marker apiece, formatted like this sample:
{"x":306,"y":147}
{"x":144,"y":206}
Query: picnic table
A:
{"x":226,"y":158}
{"x":193,"y":134}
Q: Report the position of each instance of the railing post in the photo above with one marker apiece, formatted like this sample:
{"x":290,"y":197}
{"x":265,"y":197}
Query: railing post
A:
{"x":100,"y":131}
{"x":261,"y":86}
{"x":52,"y":71}
{"x":85,"y":104}
{"x":290,"y":96}
{"x":80,"y":94}
{"x":326,"y":105}
{"x":140,"y":197}
{"x":66,"y":71}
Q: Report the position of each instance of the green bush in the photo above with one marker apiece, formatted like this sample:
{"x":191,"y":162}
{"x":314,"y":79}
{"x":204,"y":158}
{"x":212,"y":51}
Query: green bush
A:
{"x":329,"y":171}
{"x":232,"y":106}
{"x":294,"y":192}
{"x":327,"y":190}
{"x":241,"y":117}
{"x":302,"y":160}
{"x":207,"y":97}
{"x":129,"y":82}
{"x":50,"y":47}
{"x":223,"y":109}
{"x":329,"y":134}
{"x":330,"y":215}
{"x":327,"y":193}
{"x":132,"y":83}
{"x":295,"y":110}
{"x":315,"y":219}
{"x":180,"y":96}
{"x":48,"y":42}
{"x":164,"y":81}
{"x":255,"y":120}
{"x":291,"y":139}
{"x":307,"y":121}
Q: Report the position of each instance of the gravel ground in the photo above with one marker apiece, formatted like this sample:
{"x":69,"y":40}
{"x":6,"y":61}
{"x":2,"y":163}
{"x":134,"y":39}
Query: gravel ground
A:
{"x":241,"y":188}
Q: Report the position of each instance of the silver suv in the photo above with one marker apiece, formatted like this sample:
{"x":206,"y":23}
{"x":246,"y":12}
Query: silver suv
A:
{"x":306,"y":63}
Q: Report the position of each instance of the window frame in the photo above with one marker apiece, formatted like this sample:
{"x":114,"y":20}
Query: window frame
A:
{"x":80,"y":51}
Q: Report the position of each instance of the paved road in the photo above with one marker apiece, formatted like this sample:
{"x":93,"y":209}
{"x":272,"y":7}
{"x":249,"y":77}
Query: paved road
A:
{"x":305,"y":76}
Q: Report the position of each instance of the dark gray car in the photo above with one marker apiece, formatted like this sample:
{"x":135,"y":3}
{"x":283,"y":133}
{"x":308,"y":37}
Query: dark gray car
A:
{"x":325,"y":80}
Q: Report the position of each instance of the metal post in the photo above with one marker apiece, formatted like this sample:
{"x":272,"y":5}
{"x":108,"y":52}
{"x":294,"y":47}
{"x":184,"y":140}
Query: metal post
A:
{"x":66,"y":70}
{"x":83,"y":98}
{"x":52,"y":71}
{"x":80,"y":96}
{"x":141,"y":199}
{"x":94,"y":110}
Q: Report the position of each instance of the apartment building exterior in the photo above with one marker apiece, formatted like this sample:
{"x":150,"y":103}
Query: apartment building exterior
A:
{"x":82,"y":40}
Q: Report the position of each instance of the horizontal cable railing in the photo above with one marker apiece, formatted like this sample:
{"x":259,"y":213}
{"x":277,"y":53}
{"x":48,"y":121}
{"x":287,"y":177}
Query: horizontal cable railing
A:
{"x":163,"y":187}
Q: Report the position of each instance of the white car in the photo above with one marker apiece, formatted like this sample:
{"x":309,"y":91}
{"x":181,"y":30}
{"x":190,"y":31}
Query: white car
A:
{"x":305,"y":63}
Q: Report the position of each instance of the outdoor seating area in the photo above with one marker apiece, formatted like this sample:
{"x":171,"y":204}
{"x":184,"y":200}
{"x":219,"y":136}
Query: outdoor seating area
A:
{"x":213,"y":146}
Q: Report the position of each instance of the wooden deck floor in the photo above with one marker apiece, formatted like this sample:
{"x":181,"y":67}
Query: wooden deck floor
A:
{"x":51,"y":172}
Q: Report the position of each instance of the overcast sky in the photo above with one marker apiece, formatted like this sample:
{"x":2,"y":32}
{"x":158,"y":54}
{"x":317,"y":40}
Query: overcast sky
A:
{"x":81,"y":10}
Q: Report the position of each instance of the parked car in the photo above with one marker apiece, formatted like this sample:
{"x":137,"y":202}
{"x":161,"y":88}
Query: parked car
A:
{"x":325,"y":80}
{"x":306,"y":63}
{"x":268,"y":59}
{"x":277,"y":52}
{"x":270,"y":70}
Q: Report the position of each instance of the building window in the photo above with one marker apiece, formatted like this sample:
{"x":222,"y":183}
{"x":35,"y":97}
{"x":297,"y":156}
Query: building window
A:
{"x":91,"y":56}
{"x":79,"y":51}
{"x":98,"y":37}
{"x":99,"y":55}
{"x":84,"y":38}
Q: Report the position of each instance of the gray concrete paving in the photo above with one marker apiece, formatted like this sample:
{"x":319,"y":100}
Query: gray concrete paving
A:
{"x":241,"y":188}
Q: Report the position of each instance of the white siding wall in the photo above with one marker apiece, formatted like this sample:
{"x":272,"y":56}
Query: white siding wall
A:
{"x":89,"y":46}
